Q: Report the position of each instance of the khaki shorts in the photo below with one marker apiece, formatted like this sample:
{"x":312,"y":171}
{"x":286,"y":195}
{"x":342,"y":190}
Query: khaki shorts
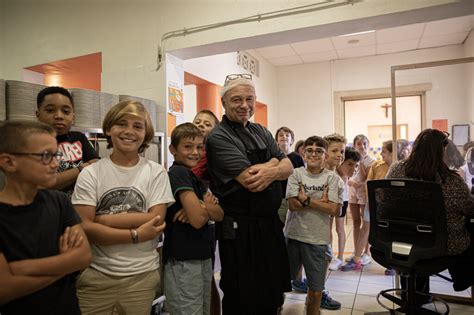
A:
{"x":99,"y":293}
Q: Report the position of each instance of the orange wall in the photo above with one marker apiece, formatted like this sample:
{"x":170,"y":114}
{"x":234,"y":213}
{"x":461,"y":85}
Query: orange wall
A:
{"x":208,"y":97}
{"x":261,"y":115}
{"x":78,"y":72}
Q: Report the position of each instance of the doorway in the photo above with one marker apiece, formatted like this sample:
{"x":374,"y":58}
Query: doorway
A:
{"x":373,"y":118}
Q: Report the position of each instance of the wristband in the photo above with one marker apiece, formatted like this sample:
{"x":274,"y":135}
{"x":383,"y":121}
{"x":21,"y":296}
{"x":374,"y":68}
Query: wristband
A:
{"x":80,"y":168}
{"x":134,"y":235}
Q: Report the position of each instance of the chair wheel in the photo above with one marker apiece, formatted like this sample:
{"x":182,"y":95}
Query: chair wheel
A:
{"x":428,"y":308}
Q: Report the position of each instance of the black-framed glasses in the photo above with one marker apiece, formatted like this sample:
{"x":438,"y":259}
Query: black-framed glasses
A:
{"x":317,"y":151}
{"x":46,"y":156}
{"x":232,"y":77}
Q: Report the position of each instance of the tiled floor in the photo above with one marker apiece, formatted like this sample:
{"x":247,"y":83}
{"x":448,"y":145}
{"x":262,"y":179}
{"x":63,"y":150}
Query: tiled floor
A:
{"x":356,"y":290}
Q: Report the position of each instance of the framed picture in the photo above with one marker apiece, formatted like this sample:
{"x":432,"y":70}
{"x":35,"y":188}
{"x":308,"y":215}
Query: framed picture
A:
{"x":460,"y":134}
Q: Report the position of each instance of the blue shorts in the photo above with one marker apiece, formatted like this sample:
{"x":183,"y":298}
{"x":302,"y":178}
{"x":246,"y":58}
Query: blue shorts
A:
{"x":314,"y":258}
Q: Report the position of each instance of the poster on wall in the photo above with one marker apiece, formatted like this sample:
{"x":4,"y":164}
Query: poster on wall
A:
{"x":175,"y":98}
{"x":440,"y":124}
{"x":461,"y":134}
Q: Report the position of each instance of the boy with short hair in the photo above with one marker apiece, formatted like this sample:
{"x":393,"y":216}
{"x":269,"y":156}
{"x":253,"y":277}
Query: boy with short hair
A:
{"x":335,"y":156}
{"x":41,"y":240}
{"x":345,"y":170}
{"x":122,"y":201}
{"x":314,"y":195}
{"x":56,"y":108}
{"x":187,"y":247}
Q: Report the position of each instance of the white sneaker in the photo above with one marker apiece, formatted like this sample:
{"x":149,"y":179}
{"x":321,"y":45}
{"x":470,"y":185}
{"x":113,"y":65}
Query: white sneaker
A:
{"x":365,"y":259}
{"x":335,"y":264}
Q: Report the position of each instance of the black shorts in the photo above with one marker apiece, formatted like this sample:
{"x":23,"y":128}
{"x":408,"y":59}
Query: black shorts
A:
{"x":345,"y":204}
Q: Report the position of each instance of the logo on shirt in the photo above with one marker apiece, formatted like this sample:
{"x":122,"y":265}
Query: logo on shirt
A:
{"x":314,"y":187}
{"x":72,"y":152}
{"x":121,"y":199}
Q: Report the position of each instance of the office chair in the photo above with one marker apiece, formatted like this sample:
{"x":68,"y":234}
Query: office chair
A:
{"x":408,"y":233}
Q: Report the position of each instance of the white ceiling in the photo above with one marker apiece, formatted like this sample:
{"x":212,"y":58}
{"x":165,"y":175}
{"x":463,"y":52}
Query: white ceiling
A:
{"x":445,"y":32}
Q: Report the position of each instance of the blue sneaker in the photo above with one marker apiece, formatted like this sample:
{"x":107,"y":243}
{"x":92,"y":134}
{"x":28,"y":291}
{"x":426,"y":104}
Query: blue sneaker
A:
{"x":352,"y":265}
{"x":328,"y":303}
{"x":300,"y":286}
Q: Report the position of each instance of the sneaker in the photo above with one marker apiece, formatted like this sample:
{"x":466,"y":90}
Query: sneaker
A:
{"x":390,"y":272}
{"x":335,"y":264}
{"x":300,"y":286}
{"x":348,"y":259}
{"x":365,"y":259}
{"x":352,"y":265}
{"x":328,"y":303}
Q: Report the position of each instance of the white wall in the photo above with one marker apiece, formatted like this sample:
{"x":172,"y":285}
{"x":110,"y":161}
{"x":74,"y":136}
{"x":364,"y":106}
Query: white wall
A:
{"x":189,"y":99}
{"x":128,"y":32}
{"x":305,"y":92}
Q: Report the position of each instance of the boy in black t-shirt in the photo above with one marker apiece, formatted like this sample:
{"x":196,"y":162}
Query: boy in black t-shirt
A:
{"x":56,"y":108}
{"x":41,"y":240}
{"x":187,"y":247}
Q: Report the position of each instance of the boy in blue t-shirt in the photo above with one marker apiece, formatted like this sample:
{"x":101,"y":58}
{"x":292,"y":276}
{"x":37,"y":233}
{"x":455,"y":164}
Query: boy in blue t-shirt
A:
{"x":187,"y":247}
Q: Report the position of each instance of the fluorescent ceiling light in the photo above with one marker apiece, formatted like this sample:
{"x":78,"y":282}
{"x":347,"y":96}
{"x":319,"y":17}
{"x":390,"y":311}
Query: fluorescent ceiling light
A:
{"x":358,"y":33}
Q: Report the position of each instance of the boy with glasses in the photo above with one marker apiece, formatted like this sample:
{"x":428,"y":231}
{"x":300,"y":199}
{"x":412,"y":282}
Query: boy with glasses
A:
{"x":41,"y":240}
{"x":314,"y":194}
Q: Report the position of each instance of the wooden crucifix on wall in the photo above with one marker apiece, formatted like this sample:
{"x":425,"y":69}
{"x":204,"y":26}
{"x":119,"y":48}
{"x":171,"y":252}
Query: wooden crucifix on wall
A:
{"x":386,"y":107}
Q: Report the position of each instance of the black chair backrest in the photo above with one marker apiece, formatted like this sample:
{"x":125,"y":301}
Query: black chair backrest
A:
{"x":407,"y":220}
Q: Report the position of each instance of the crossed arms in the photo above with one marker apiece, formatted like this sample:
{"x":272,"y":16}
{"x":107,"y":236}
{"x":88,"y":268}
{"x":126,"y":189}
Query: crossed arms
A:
{"x":111,"y":229}
{"x":23,"y":277}
{"x":323,"y":204}
{"x":259,"y":176}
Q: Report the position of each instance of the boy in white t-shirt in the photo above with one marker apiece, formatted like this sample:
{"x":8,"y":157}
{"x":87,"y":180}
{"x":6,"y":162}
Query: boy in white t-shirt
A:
{"x":122,"y":200}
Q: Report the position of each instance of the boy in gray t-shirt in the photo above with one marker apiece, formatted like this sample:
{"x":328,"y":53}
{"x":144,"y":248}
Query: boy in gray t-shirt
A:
{"x":314,"y":194}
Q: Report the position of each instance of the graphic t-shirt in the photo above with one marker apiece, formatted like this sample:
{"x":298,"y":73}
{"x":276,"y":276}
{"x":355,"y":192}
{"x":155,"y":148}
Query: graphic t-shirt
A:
{"x":76,"y":149}
{"x":115,"y":189}
{"x":312,"y":226}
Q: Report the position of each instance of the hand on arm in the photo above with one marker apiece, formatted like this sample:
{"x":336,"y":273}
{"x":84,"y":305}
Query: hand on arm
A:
{"x":181,"y":216}
{"x":16,"y":286}
{"x":213,"y":208}
{"x":69,"y":177}
{"x":296,"y":203}
{"x":195,"y":211}
{"x":322,"y":204}
{"x":259,"y":176}
{"x":104,"y":235}
{"x":131,"y":220}
{"x":74,"y":254}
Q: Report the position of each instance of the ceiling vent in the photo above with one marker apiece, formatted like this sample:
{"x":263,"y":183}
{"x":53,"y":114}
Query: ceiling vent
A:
{"x":247,"y":62}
